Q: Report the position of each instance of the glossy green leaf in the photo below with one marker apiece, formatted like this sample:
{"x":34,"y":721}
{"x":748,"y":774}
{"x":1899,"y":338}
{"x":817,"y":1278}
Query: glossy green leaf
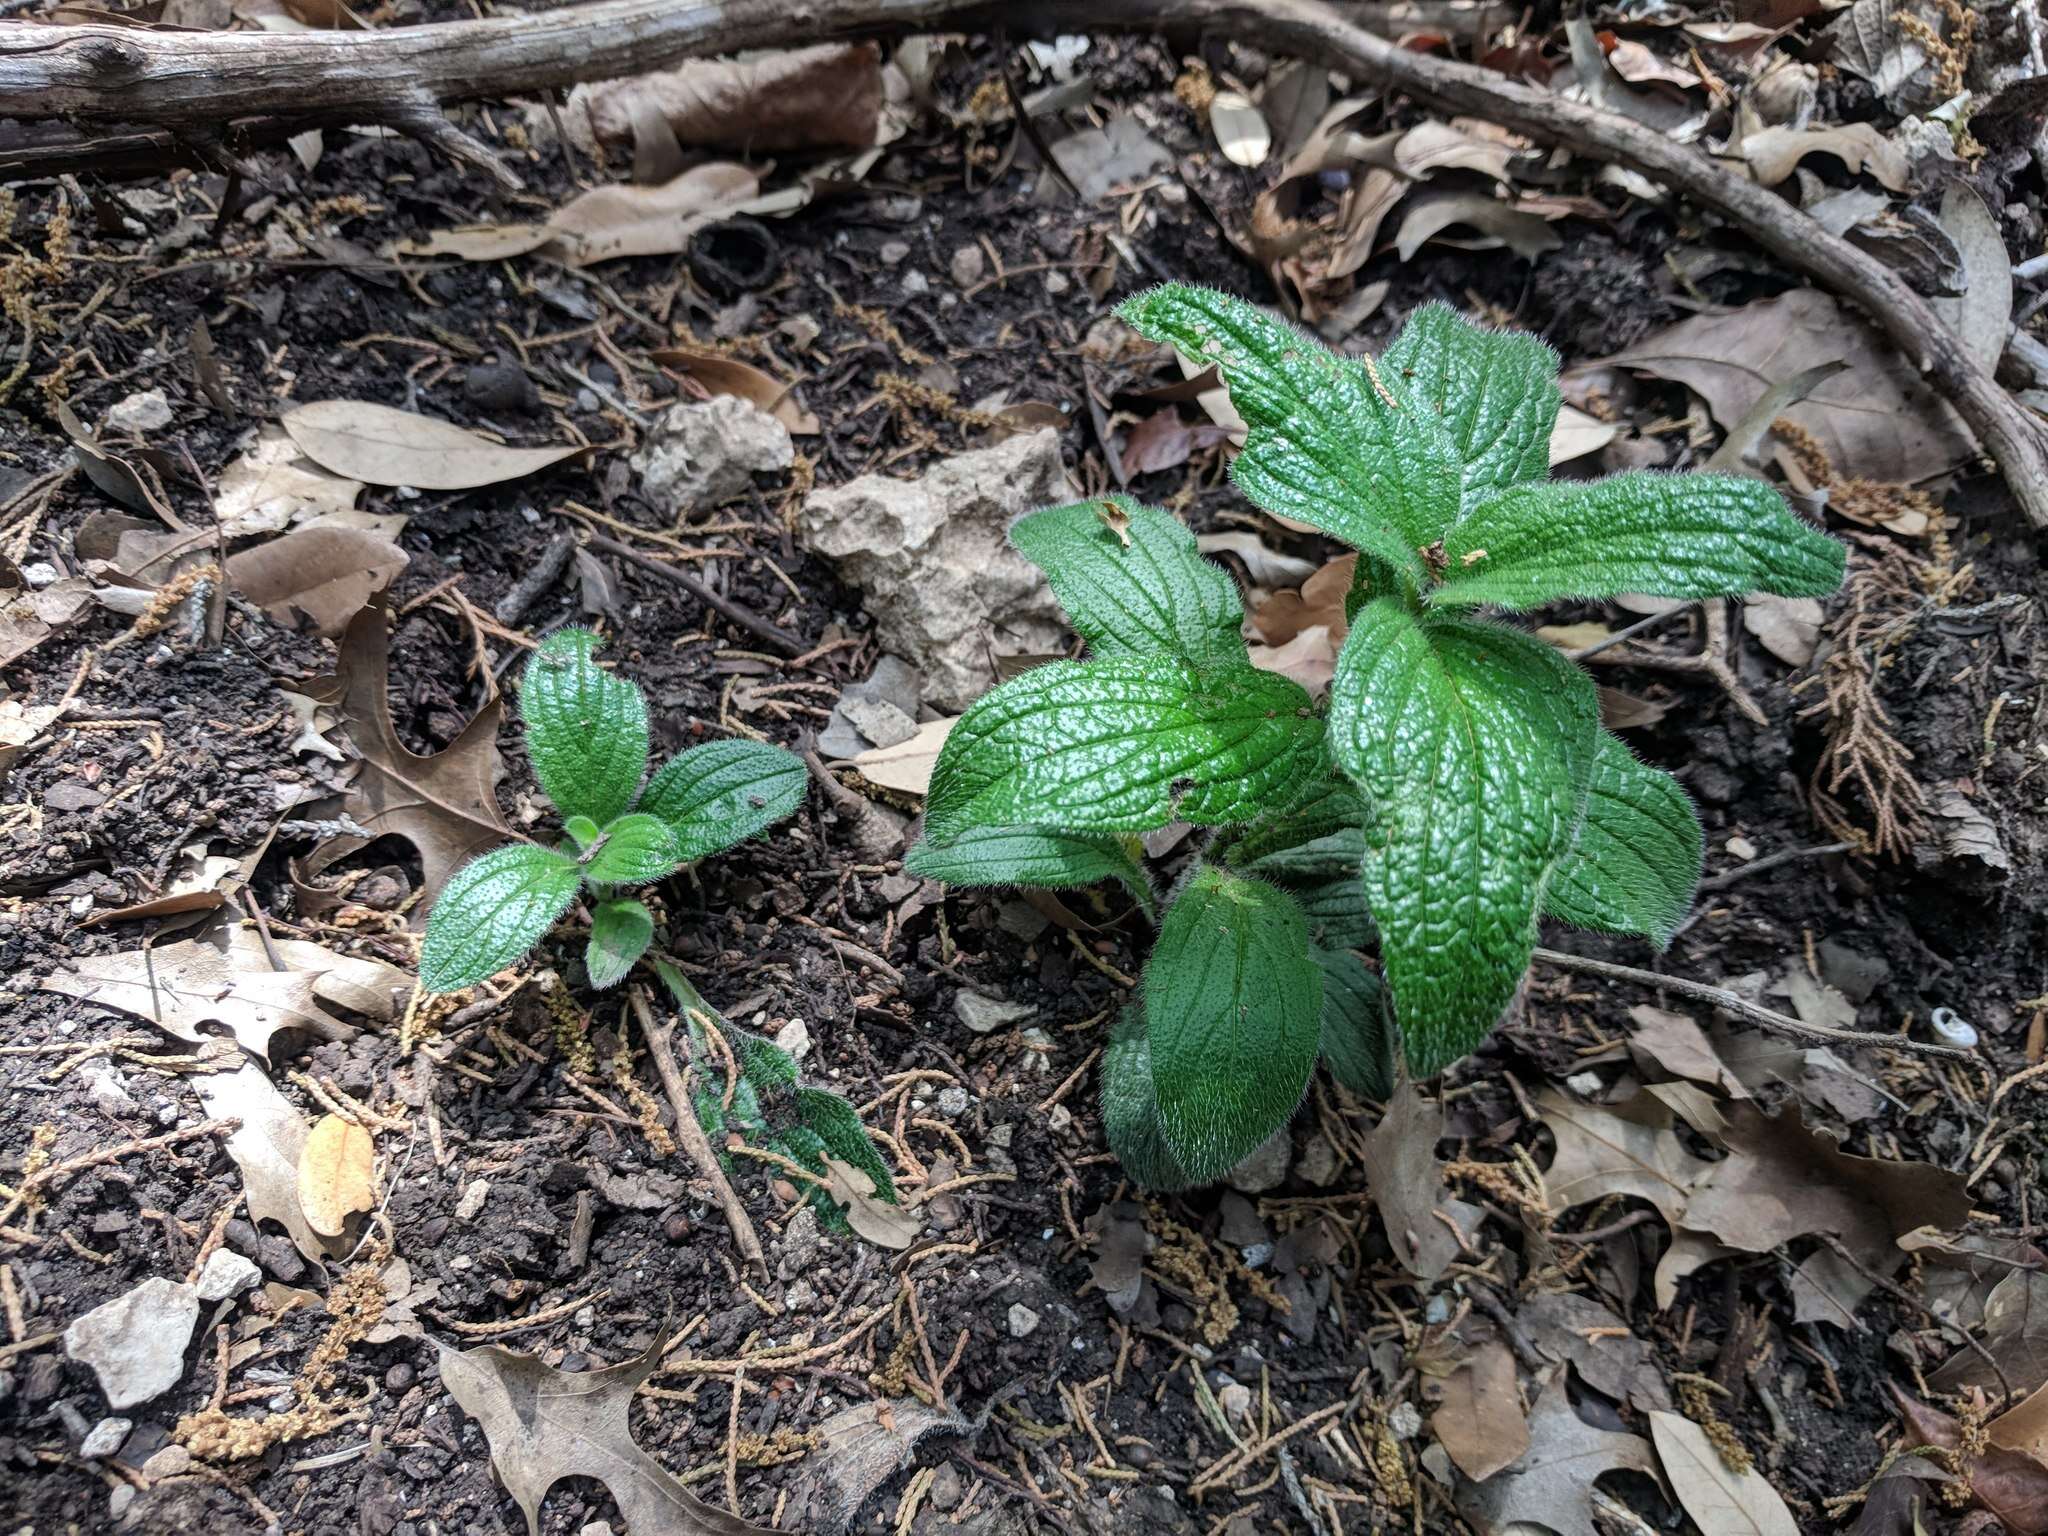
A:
{"x":620,"y":931}
{"x":1233,"y":1009}
{"x":833,"y":1121}
{"x":631,"y":851}
{"x":586,"y":730}
{"x":1664,"y":535}
{"x":1637,"y":859}
{"x":1326,"y":446}
{"x":1328,"y":804}
{"x":1473,"y":745}
{"x":1336,"y":911}
{"x":1133,"y":581}
{"x":582,"y":831}
{"x":1494,"y":391}
{"x":1130,"y":1110}
{"x":1358,"y":1038}
{"x":493,"y":910}
{"x":1024,"y":856}
{"x":723,"y":792}
{"x":1123,"y":746}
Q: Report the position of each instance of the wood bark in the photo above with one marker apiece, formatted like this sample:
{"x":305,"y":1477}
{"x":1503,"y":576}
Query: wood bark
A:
{"x":195,"y":83}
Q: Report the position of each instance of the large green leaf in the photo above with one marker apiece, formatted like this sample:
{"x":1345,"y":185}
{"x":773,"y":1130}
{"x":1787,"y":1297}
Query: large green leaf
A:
{"x":1473,"y":745}
{"x":620,"y":931}
{"x":723,"y":792}
{"x":1233,"y":1008}
{"x":1326,"y":444}
{"x":1025,"y":856}
{"x":1495,"y":392}
{"x":586,"y":730}
{"x":1130,"y":1110}
{"x":1358,"y":1042}
{"x":1123,"y":746}
{"x":1133,"y":581}
{"x":631,"y":851}
{"x":493,"y":910}
{"x":1637,"y":858}
{"x":1665,"y":535}
{"x":1332,"y":858}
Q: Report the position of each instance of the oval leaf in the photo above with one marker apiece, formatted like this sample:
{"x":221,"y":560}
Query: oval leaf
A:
{"x":1045,"y":861}
{"x":383,"y":446}
{"x":493,"y":910}
{"x":1637,"y":858}
{"x":1130,"y":1109}
{"x":586,"y":730}
{"x":718,"y":794}
{"x":631,"y":851}
{"x":620,"y":932}
{"x":337,"y":1174}
{"x":1358,"y":1042}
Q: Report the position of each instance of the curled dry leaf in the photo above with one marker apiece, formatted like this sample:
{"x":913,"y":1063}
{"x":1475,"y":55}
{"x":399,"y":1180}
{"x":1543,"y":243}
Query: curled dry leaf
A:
{"x":381,"y":445}
{"x":826,"y":97}
{"x":1787,"y":627}
{"x":862,"y":1448}
{"x":1774,"y":153}
{"x":1527,"y":234}
{"x":28,"y":618}
{"x":271,"y":486}
{"x":337,"y":1174}
{"x":1407,"y":1184}
{"x":1551,"y":1485}
{"x":881,"y":1223}
{"x":906,"y":767}
{"x":719,"y":373}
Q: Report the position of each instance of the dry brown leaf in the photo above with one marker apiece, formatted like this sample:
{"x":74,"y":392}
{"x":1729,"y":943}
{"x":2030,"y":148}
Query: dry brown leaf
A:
{"x":1608,"y":1357}
{"x":1576,"y":434}
{"x":2024,"y":1426}
{"x":1641,"y":65}
{"x":862,"y":1448}
{"x":720,"y":373}
{"x":1552,"y":1484}
{"x":1674,"y":1042}
{"x":825,"y":97}
{"x":1407,"y":1184}
{"x":544,"y":1425}
{"x":1787,"y":627}
{"x":1478,"y":1416}
{"x":29,"y":618}
{"x":881,"y":1223}
{"x":1266,"y":566}
{"x":271,"y":486}
{"x":1319,"y":602}
{"x":266,"y":1148}
{"x":380,"y":445}
{"x":21,"y":724}
{"x":337,"y":1174}
{"x":1498,"y":223}
{"x":2011,"y":1484}
{"x":907,"y":766}
{"x":1719,"y":1499}
{"x":196,"y":885}
{"x":1774,"y":153}
{"x":1982,"y":314}
{"x":317,"y":577}
{"x":1626,"y":1149}
{"x":477,"y":242}
{"x":1310,"y":658}
{"x":2015,"y":1334}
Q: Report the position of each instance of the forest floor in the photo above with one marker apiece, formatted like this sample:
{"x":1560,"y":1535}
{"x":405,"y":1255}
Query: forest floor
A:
{"x":1647,"y":1254}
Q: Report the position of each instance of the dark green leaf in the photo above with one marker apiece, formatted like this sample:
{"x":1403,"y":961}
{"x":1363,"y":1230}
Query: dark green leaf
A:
{"x":1336,"y":910}
{"x":1494,"y":391}
{"x":1637,"y":858}
{"x":631,"y":851}
{"x":1123,"y":746}
{"x":620,"y":931}
{"x":1047,"y":861}
{"x":1130,"y":1110}
{"x":1473,"y":745}
{"x":1233,"y":1008}
{"x":493,"y":910}
{"x":1664,"y":535}
{"x":586,"y":730}
{"x":1133,"y":582}
{"x":1327,"y":804}
{"x":833,"y":1121}
{"x":1322,"y":859}
{"x":1358,"y":1040}
{"x":718,"y":794}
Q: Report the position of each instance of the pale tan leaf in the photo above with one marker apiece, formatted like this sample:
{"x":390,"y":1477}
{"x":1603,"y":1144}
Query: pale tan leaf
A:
{"x":317,"y":577}
{"x":720,"y":373}
{"x":861,"y":1448}
{"x":1577,"y":434}
{"x":1407,"y":1184}
{"x":1628,"y":1149}
{"x":871,"y":1217}
{"x":381,"y":445}
{"x":337,"y":1174}
{"x":1787,"y":627}
{"x":266,"y":1148}
{"x":478,"y":242}
{"x":1982,"y":315}
{"x":1240,"y":129}
{"x":907,"y":766}
{"x":1552,"y":1483}
{"x":1310,"y":658}
{"x":1498,"y":224}
{"x":1719,"y":1499}
{"x":824,"y":97}
{"x":1774,"y":153}
{"x":1478,"y":1416}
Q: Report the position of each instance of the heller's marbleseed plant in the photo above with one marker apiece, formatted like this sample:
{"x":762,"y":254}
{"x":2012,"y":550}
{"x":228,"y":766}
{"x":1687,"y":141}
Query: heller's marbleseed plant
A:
{"x":1455,"y":786}
{"x":586,"y":733}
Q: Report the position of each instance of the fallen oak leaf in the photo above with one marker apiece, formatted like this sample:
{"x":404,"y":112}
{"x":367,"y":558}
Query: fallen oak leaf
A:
{"x":1407,"y":1184}
{"x":2009,"y":1483}
{"x":543,"y":1425}
{"x":381,"y":445}
{"x":861,"y":1448}
{"x":322,"y":573}
{"x":1551,"y":1484}
{"x":1478,"y":1418}
{"x":337,"y":1174}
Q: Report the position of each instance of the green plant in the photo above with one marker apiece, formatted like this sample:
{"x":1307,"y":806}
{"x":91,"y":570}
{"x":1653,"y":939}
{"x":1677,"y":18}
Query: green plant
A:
{"x":1453,"y":788}
{"x":586,"y":734}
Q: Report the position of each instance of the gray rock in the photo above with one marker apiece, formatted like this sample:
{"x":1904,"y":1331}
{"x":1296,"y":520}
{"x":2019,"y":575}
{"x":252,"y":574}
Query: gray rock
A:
{"x":945,"y":1491}
{"x":226,"y":1274}
{"x":986,"y":1015}
{"x":109,"y":1094}
{"x":147,"y":411}
{"x":135,"y":1343}
{"x":799,"y":1248}
{"x":795,"y":1038}
{"x":893,"y":682}
{"x":880,"y":721}
{"x":968,"y":265}
{"x":954,"y":1101}
{"x":1318,"y":1161}
{"x":1851,"y":972}
{"x":1023,"y":1321}
{"x":707,"y":452}
{"x":933,"y":558}
{"x":107,"y":1437}
{"x":1267,"y":1167}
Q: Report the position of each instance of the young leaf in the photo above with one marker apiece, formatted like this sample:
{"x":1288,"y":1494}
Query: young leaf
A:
{"x":1327,"y":446}
{"x":1047,"y":861}
{"x":1358,"y":1042}
{"x":1133,"y":582}
{"x":631,"y":851}
{"x":1329,"y":805}
{"x":586,"y":730}
{"x":620,"y":931}
{"x":493,"y":910}
{"x":582,"y":831}
{"x":723,"y":792}
{"x":1663,"y":535}
{"x":1321,"y":859}
{"x":1130,"y":1110}
{"x":1494,"y":391}
{"x":1123,"y":746}
{"x":1637,"y":858}
{"x":1233,"y":1008}
{"x":1472,"y":744}
{"x":832,"y":1120}
{"x":1337,"y":912}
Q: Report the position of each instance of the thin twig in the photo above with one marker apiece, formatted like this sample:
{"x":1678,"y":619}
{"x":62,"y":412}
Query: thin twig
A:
{"x":1742,"y":872}
{"x":769,"y":634}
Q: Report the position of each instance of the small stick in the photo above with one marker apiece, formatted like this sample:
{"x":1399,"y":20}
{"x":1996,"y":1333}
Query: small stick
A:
{"x":752,"y":623}
{"x":660,"y":1046}
{"x":1722,"y":881}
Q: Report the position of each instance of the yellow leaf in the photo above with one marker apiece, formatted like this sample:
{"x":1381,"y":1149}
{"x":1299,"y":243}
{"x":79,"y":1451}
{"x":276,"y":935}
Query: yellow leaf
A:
{"x":336,"y":1174}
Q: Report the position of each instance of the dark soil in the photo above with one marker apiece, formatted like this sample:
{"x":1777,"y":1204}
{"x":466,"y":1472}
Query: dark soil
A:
{"x":196,"y":743}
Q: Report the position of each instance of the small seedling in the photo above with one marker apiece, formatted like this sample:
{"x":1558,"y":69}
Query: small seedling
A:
{"x":586,"y":733}
{"x":1453,"y":788}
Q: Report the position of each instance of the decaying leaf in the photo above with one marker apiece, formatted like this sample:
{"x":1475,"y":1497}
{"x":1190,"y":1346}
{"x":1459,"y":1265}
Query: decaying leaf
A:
{"x":544,"y":1425}
{"x":337,"y":1174}
{"x":826,"y":97}
{"x":1478,"y":1417}
{"x":1608,"y":1357}
{"x":381,"y":445}
{"x":907,"y":766}
{"x":28,"y":618}
{"x":2015,"y":1335}
{"x":319,"y":576}
{"x":1407,"y":1184}
{"x":722,"y":374}
{"x":1787,"y":627}
{"x":198,"y":883}
{"x":1982,"y":313}
{"x":270,"y":486}
{"x":1624,"y":1149}
{"x":266,"y":1148}
{"x":1718,"y":1498}
{"x":1774,"y":153}
{"x":1498,"y":224}
{"x":864,"y":1446}
{"x":880,"y":1222}
{"x":1552,"y":1484}
{"x":2010,"y":1483}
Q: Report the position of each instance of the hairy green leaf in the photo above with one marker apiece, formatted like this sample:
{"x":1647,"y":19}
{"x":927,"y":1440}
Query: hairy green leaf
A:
{"x":1473,"y":745}
{"x":1358,"y":1042}
{"x":1130,"y":1110}
{"x":1025,"y":856}
{"x":1325,"y":805}
{"x":1133,"y":581}
{"x":1336,"y":911}
{"x":1664,"y":535}
{"x":1233,"y":1007}
{"x":620,"y":931}
{"x":1320,"y":860}
{"x":632,"y":850}
{"x":493,"y":910}
{"x":1494,"y":391}
{"x":586,"y":730}
{"x":582,"y":831}
{"x":1327,"y":445}
{"x":833,"y":1121}
{"x":1637,"y":858}
{"x":723,"y":792}
{"x":1123,"y":746}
